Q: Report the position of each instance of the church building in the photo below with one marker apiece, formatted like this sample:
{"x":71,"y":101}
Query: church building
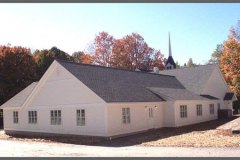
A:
{"x":90,"y":100}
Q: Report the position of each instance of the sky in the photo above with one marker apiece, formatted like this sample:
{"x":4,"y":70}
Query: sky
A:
{"x":195,"y":28}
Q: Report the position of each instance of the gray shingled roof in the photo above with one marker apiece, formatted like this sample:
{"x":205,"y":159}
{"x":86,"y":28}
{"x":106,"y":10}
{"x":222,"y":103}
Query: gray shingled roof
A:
{"x":193,"y":78}
{"x":209,"y":96}
{"x":177,"y":94}
{"x":19,"y":99}
{"x":118,"y":85}
{"x":228,"y":96}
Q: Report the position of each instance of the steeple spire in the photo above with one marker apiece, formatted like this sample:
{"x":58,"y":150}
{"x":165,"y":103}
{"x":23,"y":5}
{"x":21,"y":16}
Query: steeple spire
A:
{"x":170,"y":64}
{"x":170,"y":49}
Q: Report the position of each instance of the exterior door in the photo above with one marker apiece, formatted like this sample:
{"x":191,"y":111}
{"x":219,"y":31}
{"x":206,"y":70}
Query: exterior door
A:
{"x":150,"y":117}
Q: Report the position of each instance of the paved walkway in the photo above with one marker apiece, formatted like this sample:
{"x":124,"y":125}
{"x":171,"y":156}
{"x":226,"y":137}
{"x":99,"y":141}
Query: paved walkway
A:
{"x":232,"y":125}
{"x":40,"y":149}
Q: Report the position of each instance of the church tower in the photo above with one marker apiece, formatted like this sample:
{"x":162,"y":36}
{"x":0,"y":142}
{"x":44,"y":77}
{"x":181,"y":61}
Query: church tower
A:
{"x":170,"y":64}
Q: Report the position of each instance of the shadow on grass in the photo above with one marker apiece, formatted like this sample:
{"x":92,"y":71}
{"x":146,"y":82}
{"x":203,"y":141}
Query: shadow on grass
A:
{"x":151,"y":135}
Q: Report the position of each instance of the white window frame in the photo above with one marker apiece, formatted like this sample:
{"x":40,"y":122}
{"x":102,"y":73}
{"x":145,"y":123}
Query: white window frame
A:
{"x":81,"y":117}
{"x":126,"y":115}
{"x":183,"y":111}
{"x":211,"y":108}
{"x":32,"y":117}
{"x":56,"y":117}
{"x":150,"y":112}
{"x":199,"y":109}
{"x":15,"y":117}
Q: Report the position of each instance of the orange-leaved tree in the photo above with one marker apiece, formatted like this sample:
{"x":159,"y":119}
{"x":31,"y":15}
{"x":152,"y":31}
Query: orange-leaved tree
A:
{"x":81,"y":57}
{"x":229,"y":61}
{"x":17,"y":70}
{"x":103,"y":44}
{"x":132,"y":52}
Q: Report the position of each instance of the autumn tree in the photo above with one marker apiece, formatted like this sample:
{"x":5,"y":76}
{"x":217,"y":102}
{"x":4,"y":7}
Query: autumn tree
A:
{"x":81,"y":57}
{"x":119,"y":55}
{"x":132,"y":52}
{"x":229,"y":61}
{"x":129,"y":52}
{"x":216,"y":54}
{"x":103,"y":44}
{"x":44,"y":58}
{"x":158,"y":59}
{"x":17,"y":70}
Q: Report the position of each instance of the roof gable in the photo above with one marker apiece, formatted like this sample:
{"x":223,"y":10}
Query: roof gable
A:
{"x":118,"y":85}
{"x":193,"y":78}
{"x":20,"y":98}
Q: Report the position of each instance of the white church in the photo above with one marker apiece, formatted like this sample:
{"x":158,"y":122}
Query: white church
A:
{"x":90,"y":100}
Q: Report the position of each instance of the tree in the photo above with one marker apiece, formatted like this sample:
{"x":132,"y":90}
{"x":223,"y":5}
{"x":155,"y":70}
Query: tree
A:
{"x":119,"y":55}
{"x":17,"y":70}
{"x":158,"y":60}
{"x":131,"y":52}
{"x":59,"y":54}
{"x":103,"y":45}
{"x":81,"y":57}
{"x":229,"y":61}
{"x":190,"y":63}
{"x":44,"y":58}
{"x":216,"y":54}
{"x":177,"y":65}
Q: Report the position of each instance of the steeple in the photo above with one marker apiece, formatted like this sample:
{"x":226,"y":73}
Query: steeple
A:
{"x":170,"y":49}
{"x":170,"y":64}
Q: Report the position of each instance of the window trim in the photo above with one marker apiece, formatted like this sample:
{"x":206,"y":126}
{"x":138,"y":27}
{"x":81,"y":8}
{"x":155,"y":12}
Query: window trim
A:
{"x":211,"y":109}
{"x":199,"y":109}
{"x":56,"y":117}
{"x":15,"y":117}
{"x":80,"y":119}
{"x":32,"y":117}
{"x":183,"y":111}
{"x":150,"y":112}
{"x":126,"y":116}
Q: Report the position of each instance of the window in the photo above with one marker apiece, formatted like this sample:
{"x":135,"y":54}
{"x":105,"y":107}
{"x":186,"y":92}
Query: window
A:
{"x":219,"y":106}
{"x":211,"y":106}
{"x":15,"y":117}
{"x":81,"y":117}
{"x":32,"y":117}
{"x":150,"y":112}
{"x":199,"y":109}
{"x":55,"y":117}
{"x":183,"y":111}
{"x":126,"y":115}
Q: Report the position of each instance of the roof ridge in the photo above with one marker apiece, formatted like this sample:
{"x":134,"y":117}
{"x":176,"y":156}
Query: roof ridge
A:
{"x":192,"y":67}
{"x":113,"y":68}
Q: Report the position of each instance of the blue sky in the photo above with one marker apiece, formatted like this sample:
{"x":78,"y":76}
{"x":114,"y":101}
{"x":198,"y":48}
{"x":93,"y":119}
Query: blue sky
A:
{"x":195,"y":29}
